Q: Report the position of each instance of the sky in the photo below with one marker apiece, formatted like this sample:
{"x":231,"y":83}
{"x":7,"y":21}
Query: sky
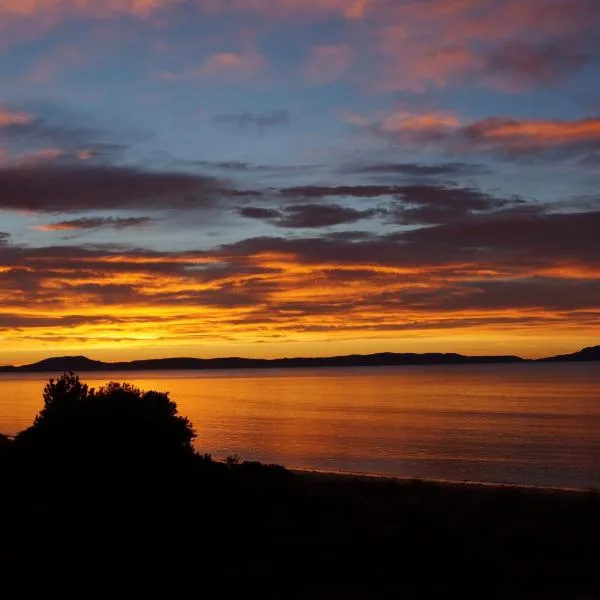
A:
{"x":298,"y":177}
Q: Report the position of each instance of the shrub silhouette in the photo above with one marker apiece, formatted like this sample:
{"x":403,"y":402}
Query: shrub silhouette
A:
{"x":118,"y":422}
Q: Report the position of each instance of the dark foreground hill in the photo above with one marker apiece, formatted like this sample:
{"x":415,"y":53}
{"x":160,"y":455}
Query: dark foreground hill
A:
{"x":374,"y":538}
{"x":81,"y":364}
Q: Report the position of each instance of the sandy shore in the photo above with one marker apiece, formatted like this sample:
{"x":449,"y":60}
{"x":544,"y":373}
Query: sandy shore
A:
{"x":341,"y":476}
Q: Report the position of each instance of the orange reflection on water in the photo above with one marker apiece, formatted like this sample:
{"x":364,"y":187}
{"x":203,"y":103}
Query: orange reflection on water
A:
{"x":537,"y":424}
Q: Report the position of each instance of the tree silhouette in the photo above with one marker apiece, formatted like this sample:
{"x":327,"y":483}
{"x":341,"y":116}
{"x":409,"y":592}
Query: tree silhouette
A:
{"x":118,"y":422}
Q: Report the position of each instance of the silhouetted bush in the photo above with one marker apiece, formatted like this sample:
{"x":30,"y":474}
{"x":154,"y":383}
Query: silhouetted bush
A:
{"x":118,"y":422}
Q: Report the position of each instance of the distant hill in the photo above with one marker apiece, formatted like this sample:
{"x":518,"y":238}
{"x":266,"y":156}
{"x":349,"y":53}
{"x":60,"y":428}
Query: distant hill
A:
{"x":81,"y":363}
{"x":585,"y":355}
{"x":385,"y":359}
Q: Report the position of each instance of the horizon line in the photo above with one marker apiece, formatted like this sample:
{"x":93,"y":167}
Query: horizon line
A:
{"x":281,"y":358}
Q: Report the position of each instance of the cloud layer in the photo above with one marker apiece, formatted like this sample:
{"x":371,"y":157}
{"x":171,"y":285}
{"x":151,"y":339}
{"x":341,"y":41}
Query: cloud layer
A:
{"x":315,"y":176}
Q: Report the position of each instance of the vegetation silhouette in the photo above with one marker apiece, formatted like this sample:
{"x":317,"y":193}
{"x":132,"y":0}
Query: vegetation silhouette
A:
{"x":112,"y":474}
{"x":117,"y":421}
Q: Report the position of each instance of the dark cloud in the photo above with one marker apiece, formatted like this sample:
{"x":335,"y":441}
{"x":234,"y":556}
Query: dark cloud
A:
{"x":310,"y":216}
{"x":546,"y":293}
{"x":350,"y":191}
{"x":244,"y":167}
{"x":263,"y":214}
{"x":4,"y":237}
{"x":12,"y":320}
{"x":526,"y":64}
{"x":276,"y":118}
{"x":413,"y":204}
{"x":226,"y":165}
{"x":512,"y":240}
{"x":348,"y":236}
{"x":517,"y":237}
{"x":452,"y":169}
{"x":428,"y":204}
{"x":75,"y":188}
{"x":97,"y":223}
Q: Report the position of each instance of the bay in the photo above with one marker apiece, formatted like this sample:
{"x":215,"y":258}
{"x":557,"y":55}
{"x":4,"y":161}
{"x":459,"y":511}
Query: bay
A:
{"x":535,"y":424}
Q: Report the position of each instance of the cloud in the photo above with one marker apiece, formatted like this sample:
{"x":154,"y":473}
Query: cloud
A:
{"x":408,"y":44}
{"x":496,"y":135}
{"x":263,"y":214}
{"x":9,"y":117}
{"x":32,"y":158}
{"x":525,"y":136}
{"x":310,"y":216}
{"x":350,"y":191}
{"x":224,"y":65}
{"x":507,"y":269}
{"x":550,"y":240}
{"x":429,"y":204}
{"x":413,"y":204}
{"x":276,"y":118}
{"x":54,"y":62}
{"x":328,"y":63}
{"x":514,"y":239}
{"x":411,"y":63}
{"x":453,"y":169}
{"x":96,"y":223}
{"x":53,"y":133}
{"x":54,"y":188}
{"x":351,"y":9}
{"x":246,"y":167}
{"x":519,"y":64}
{"x":419,"y":127}
{"x":542,"y":293}
{"x":439,"y":43}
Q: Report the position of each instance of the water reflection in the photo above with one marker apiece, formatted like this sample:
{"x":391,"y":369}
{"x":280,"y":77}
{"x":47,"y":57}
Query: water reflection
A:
{"x":535,"y":424}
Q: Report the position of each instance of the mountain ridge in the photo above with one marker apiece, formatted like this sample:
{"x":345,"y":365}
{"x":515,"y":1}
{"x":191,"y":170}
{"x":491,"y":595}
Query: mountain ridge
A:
{"x":85,"y":364}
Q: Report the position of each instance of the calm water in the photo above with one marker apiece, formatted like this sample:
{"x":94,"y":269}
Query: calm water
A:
{"x":534,"y":424}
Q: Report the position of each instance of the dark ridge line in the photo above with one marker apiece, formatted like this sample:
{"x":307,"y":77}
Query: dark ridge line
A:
{"x":385,"y":359}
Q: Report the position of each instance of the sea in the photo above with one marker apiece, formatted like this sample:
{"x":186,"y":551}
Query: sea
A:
{"x":532,"y":424}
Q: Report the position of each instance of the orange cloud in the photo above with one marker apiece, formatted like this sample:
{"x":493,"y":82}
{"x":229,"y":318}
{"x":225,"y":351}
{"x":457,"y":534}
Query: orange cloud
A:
{"x":112,"y":305}
{"x":227,"y":62}
{"x":412,"y":63}
{"x":512,"y":134}
{"x":9,"y":117}
{"x":410,"y":126}
{"x":453,"y":134}
{"x":224,"y":64}
{"x":419,"y":123}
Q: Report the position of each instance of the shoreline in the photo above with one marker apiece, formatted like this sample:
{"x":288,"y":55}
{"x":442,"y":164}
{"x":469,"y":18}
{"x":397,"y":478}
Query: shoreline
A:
{"x":348,"y":476}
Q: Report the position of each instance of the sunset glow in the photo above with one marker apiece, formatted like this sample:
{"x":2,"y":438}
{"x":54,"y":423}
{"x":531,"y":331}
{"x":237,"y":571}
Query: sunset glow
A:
{"x":296,"y":178}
